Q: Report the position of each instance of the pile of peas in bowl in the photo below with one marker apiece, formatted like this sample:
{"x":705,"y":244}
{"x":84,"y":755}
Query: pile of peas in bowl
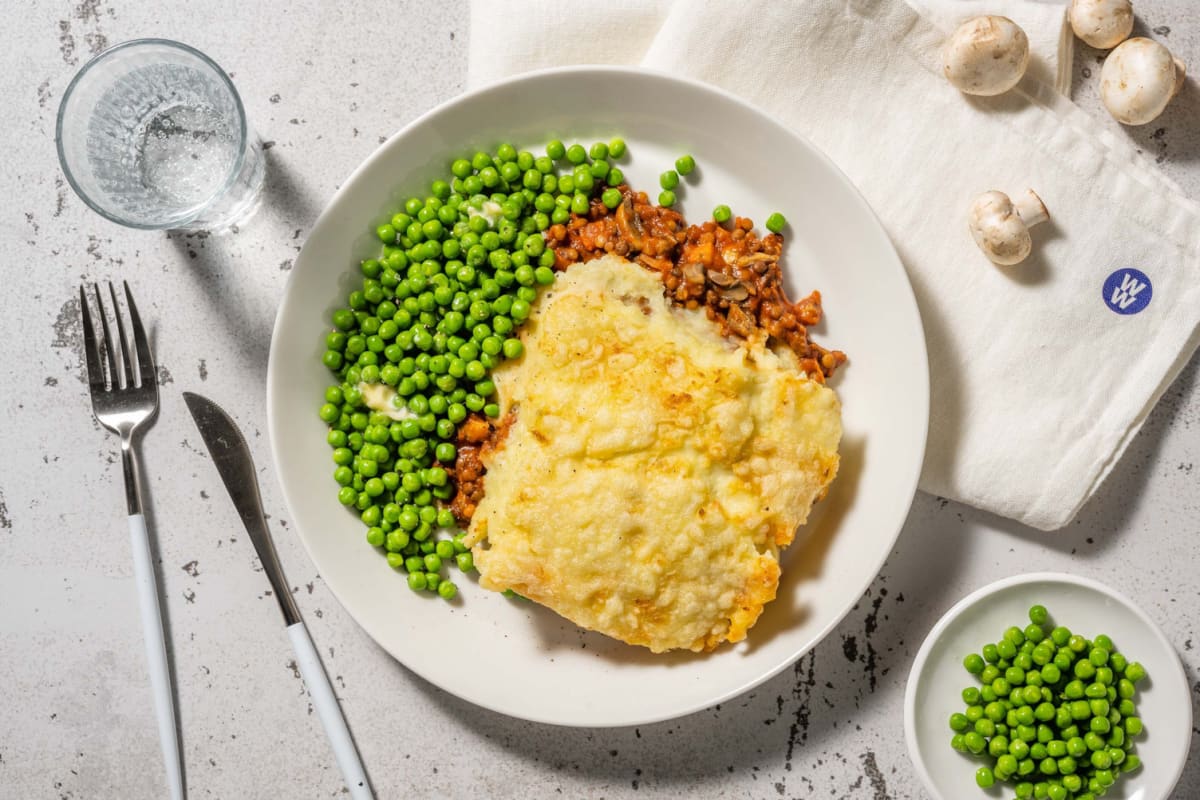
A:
{"x":438,"y":309}
{"x":1054,"y":714}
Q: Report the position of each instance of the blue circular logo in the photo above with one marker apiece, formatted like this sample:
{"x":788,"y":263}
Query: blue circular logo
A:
{"x":1127,"y":291}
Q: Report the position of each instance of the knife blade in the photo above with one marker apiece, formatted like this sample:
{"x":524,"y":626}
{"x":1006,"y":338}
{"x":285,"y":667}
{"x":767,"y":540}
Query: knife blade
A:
{"x":231,"y":455}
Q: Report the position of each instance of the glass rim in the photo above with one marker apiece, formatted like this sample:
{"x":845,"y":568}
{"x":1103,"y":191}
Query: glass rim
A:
{"x":243,"y":130}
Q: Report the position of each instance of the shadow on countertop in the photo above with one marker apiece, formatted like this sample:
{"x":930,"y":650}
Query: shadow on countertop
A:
{"x":208,"y":260}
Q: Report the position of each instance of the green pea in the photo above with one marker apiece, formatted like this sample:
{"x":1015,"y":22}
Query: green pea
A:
{"x":669,"y":179}
{"x":666,"y":198}
{"x":576,"y":154}
{"x":555,"y":149}
{"x":985,"y":778}
{"x":513,"y":348}
{"x":722,"y":214}
{"x":776,"y":222}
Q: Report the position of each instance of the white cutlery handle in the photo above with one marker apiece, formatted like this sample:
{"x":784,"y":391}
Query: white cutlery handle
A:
{"x":329,"y":712}
{"x":156,"y":653}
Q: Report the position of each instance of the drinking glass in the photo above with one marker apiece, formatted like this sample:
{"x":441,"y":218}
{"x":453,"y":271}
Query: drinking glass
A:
{"x":152,"y":134}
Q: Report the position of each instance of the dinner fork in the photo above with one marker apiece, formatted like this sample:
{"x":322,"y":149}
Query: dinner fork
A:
{"x":125,"y":400}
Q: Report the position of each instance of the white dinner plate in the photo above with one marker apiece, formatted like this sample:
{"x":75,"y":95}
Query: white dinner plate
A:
{"x":1087,"y":607}
{"x":521,"y":659}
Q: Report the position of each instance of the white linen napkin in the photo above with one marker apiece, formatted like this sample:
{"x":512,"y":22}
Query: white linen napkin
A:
{"x":622,"y":31}
{"x":1041,"y":373}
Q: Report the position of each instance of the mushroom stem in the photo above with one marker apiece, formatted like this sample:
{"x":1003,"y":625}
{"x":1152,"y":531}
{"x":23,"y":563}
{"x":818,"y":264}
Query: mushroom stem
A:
{"x":1031,"y":209}
{"x":1180,"y":76}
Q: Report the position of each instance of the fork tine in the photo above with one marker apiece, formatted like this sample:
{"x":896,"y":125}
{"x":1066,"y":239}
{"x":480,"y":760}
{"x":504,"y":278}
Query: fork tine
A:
{"x":114,"y":375}
{"x":119,"y":321}
{"x":146,"y":372}
{"x":95,"y":370}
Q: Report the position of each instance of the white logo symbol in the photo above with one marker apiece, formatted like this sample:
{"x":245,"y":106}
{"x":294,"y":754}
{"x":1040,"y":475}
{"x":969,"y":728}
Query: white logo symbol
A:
{"x":1126,"y":294}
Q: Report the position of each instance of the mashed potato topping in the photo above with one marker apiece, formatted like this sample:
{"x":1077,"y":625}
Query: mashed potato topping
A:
{"x":653,"y":467}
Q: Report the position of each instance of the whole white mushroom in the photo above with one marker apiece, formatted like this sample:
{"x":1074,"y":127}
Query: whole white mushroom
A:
{"x":1103,"y":24}
{"x":1138,"y":79}
{"x":986,"y":55}
{"x":1001,"y":226}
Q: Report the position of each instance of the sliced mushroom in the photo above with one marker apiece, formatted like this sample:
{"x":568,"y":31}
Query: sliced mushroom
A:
{"x":755,"y":258}
{"x":693,"y":273}
{"x":986,"y":55}
{"x":740,"y":322}
{"x":721,"y":278}
{"x":735,"y":294}
{"x":1103,"y":24}
{"x":1138,"y":80}
{"x":630,"y":225}
{"x":1001,"y":227}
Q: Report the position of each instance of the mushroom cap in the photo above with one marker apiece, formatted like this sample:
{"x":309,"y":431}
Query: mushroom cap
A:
{"x":998,"y":229}
{"x":1101,"y":23}
{"x":986,"y":55}
{"x":1138,"y":79}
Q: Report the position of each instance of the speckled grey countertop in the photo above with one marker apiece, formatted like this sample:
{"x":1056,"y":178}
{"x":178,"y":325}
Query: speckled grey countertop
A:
{"x":325,"y":83}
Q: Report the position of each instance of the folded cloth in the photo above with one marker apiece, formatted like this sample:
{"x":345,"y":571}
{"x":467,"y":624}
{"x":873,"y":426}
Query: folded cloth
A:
{"x":623,"y":31}
{"x":1040,"y":373}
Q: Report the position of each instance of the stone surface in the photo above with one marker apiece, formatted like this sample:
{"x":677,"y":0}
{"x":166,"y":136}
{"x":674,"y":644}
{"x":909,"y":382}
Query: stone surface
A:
{"x":325,"y":83}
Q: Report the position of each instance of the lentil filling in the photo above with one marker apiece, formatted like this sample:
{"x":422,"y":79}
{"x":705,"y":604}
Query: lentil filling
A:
{"x":730,"y":271}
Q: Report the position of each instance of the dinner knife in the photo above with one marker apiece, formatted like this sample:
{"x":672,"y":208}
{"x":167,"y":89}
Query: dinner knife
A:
{"x":231,"y":455}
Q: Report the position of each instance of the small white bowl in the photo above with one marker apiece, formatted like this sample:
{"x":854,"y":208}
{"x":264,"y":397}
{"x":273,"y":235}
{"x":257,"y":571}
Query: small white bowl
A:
{"x":1085,"y":606}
